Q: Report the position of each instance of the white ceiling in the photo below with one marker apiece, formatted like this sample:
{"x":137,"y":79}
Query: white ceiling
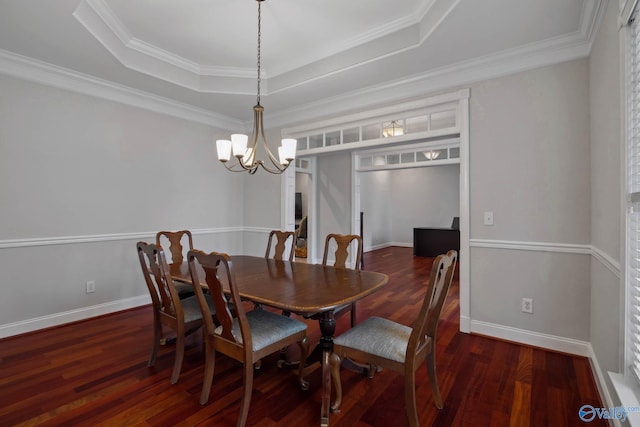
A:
{"x":318,"y":57}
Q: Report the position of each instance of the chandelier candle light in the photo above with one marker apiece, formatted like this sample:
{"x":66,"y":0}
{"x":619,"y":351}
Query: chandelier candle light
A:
{"x":246,"y":155}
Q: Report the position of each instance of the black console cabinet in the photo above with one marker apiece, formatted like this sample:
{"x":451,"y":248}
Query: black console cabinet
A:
{"x":431,"y":242}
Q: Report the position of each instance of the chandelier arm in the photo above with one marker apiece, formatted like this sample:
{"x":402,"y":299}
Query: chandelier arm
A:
{"x":238,"y":166}
{"x":258,"y":131}
{"x":276,"y":171}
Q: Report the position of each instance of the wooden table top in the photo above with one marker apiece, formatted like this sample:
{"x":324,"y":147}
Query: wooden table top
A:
{"x":296,"y":287}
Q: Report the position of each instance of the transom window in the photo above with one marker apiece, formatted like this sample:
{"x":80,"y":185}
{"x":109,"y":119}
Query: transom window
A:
{"x":402,"y":123}
{"x":409,"y":156}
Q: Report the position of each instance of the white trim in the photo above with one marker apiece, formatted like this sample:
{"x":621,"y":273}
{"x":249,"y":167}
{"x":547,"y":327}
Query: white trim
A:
{"x":465,"y":73}
{"x":387,"y":245}
{"x":287,"y":195}
{"x":355,"y":197}
{"x":105,"y":26}
{"x":75,"y":315}
{"x":537,"y":339}
{"x":607,"y":261}
{"x":600,"y":381}
{"x":464,"y":258}
{"x":447,"y":98}
{"x":626,"y":12}
{"x":627,"y":396}
{"x":70,"y":240}
{"x":461,"y":74}
{"x":531,"y":246}
{"x":101,"y":22}
{"x":33,"y":70}
{"x":254,"y":229}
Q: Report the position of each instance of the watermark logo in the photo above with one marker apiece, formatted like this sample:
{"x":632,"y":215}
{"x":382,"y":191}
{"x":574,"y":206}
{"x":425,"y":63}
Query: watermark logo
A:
{"x":588,"y":413}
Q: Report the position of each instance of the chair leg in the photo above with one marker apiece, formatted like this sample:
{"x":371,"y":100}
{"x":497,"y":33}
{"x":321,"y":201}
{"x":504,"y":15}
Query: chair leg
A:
{"x":246,"y":394}
{"x":433,"y":379}
{"x":157,"y":336}
{"x":335,"y":362}
{"x":177,"y":364}
{"x":410,"y":399}
{"x":209,"y":366}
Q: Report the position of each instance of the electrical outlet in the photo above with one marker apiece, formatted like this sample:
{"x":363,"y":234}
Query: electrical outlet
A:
{"x":527,"y":305}
{"x":488,"y":218}
{"x":91,"y":286}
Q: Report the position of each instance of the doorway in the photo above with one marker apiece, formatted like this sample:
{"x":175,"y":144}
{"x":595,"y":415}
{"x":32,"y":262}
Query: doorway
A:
{"x":444,"y":115}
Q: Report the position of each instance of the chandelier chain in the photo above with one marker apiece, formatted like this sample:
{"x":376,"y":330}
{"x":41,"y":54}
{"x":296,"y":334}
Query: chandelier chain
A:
{"x":259,"y":36}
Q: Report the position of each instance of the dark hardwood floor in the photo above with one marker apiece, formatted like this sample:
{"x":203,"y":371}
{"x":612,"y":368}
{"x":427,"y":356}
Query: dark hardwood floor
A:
{"x":95,"y":373}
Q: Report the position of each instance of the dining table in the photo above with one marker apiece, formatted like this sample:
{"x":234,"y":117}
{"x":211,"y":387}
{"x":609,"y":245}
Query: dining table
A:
{"x":300,"y":288}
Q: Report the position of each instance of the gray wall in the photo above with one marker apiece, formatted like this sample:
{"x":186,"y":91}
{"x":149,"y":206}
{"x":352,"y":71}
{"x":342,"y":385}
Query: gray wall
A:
{"x":81,"y":180}
{"x":394,"y":202}
{"x":375,"y":202}
{"x":607,"y":308}
{"x":334,"y":196}
{"x":261,"y":198}
{"x":530,"y":165}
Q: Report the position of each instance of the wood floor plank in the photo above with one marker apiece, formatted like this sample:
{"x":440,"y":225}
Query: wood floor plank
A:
{"x":95,"y":373}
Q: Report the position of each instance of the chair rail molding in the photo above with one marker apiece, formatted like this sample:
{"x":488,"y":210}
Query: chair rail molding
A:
{"x":597,"y":253}
{"x":70,"y":240}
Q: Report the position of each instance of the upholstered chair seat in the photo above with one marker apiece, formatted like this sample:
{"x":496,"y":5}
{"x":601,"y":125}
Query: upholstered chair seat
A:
{"x":379,"y":337}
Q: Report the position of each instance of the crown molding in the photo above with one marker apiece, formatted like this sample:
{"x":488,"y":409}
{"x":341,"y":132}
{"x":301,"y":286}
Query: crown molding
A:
{"x":592,"y":14}
{"x":101,"y":22}
{"x":536,"y":55}
{"x":97,"y":17}
{"x":548,"y":52}
{"x":30,"y":69}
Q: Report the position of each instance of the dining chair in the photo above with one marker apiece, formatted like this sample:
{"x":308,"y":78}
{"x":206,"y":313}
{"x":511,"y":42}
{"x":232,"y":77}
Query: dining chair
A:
{"x":169,"y":310}
{"x":380,"y":342}
{"x":280,"y":247}
{"x":278,"y":253}
{"x":177,"y":240}
{"x":246,"y":336}
{"x":342,"y":244}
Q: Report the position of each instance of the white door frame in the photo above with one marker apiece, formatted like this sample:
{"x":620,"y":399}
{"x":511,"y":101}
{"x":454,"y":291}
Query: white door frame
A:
{"x":463,"y":256}
{"x":288,"y":219}
{"x":288,"y":199}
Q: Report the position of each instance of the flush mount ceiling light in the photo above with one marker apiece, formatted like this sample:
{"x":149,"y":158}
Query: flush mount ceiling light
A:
{"x":246,"y":154}
{"x":392,"y":128}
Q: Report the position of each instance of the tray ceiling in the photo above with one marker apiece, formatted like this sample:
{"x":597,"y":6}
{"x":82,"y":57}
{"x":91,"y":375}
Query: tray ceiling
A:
{"x":317,"y":56}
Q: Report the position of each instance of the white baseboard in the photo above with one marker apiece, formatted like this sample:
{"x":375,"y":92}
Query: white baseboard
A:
{"x":522,"y":336}
{"x":387,"y":245}
{"x":465,"y":324}
{"x":83,"y":313}
{"x":601,"y":384}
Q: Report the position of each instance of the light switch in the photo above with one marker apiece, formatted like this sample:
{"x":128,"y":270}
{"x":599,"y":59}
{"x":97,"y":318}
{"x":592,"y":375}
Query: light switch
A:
{"x":488,"y":218}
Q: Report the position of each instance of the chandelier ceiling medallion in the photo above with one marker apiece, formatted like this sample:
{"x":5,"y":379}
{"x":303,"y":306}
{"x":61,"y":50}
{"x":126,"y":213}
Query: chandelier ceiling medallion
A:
{"x":245,"y":153}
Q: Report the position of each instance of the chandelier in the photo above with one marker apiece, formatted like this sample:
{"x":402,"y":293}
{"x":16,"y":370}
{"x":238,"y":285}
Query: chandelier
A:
{"x":245,"y":153}
{"x":392,"y":128}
